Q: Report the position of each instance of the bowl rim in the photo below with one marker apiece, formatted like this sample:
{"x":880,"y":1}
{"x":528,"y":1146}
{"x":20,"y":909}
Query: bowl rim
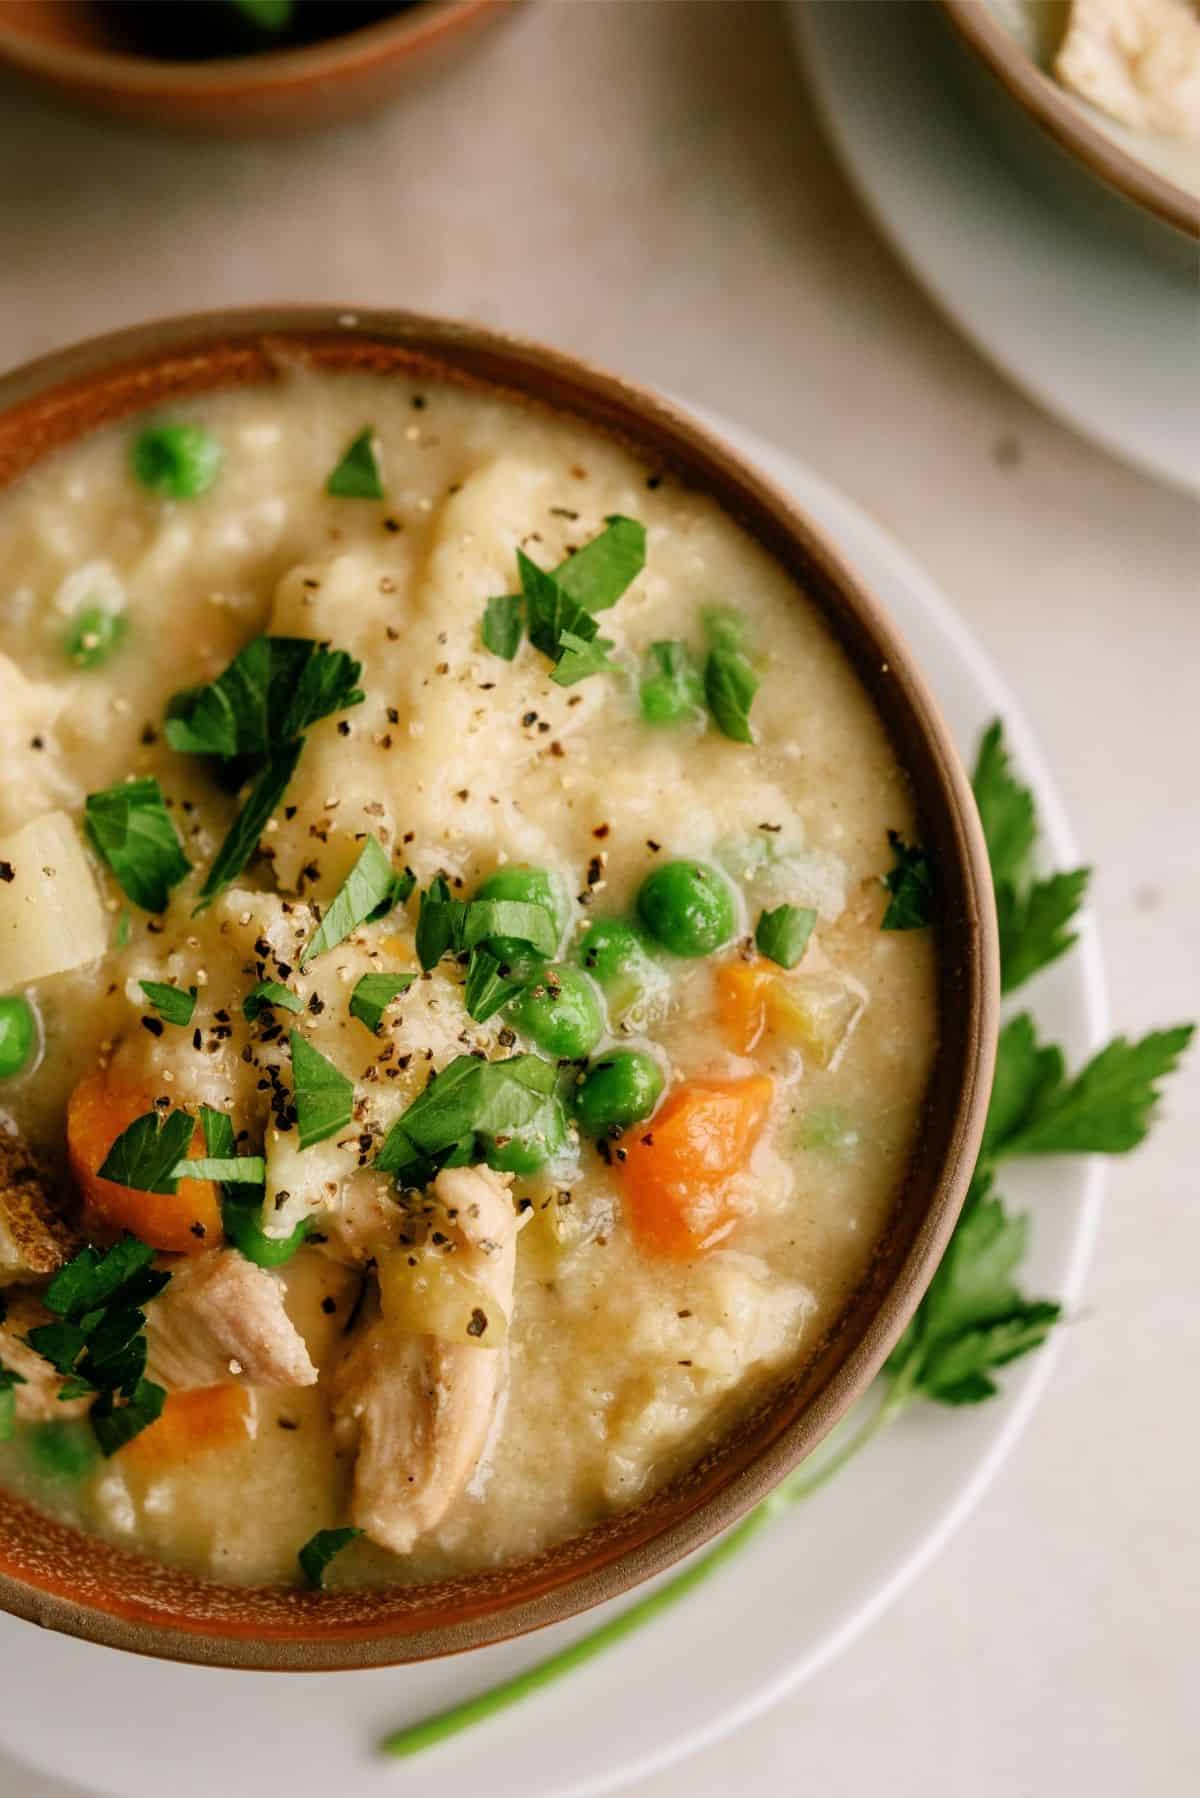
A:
{"x":562,"y":1583}
{"x":409,"y":33}
{"x":1064,"y":119}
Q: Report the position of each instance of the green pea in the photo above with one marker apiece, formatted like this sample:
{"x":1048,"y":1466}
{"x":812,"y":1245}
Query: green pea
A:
{"x":528,"y":1147}
{"x":93,"y":634}
{"x":615,"y":955}
{"x":529,"y":886}
{"x":178,"y":461}
{"x":64,"y":1449}
{"x":18,"y":1036}
{"x":688,"y":907}
{"x":619,"y":1089}
{"x":243,"y":1227}
{"x":561,"y":1011}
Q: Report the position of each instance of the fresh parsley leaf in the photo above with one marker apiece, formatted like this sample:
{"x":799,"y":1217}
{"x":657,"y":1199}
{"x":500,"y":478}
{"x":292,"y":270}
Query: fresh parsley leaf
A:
{"x":130,"y":829}
{"x":672,"y":687}
{"x":727,"y":628}
{"x":241,"y":1202}
{"x":439,"y":923}
{"x":274,"y":690}
{"x":782,"y":935}
{"x":238,"y":1170}
{"x":170,"y":1002}
{"x":145,"y":1154}
{"x":357,"y":474}
{"x":324,"y":1096}
{"x":115,"y":1425}
{"x":487,"y":989}
{"x":551,"y":611}
{"x":580,"y":657}
{"x":367,"y":888}
{"x":374,"y":993}
{"x":92,"y":1280}
{"x":598,"y":573}
{"x":730,"y":684}
{"x":267,"y":994}
{"x":526,"y":922}
{"x":469,"y":1111}
{"x":251,"y":821}
{"x":1107,"y":1109}
{"x":504,"y":625}
{"x":319,"y":1550}
{"x":911,"y":885}
{"x":1034,"y":914}
{"x":973,"y":1317}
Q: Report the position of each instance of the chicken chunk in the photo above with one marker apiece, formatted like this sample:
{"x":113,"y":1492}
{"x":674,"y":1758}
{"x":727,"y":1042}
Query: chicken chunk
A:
{"x":222,"y":1318}
{"x":420,"y":1408}
{"x":36,"y":1398}
{"x":34,"y":1240}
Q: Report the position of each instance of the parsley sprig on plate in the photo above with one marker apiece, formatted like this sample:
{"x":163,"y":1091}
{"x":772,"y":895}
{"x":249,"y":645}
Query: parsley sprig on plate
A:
{"x":975,"y":1318}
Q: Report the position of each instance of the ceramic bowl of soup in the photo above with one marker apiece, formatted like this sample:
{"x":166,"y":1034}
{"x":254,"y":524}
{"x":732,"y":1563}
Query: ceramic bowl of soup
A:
{"x":498,"y":987}
{"x":236,"y":67}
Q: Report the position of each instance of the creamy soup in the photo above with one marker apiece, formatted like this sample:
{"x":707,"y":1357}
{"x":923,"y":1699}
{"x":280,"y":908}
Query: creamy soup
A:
{"x":512,"y":908}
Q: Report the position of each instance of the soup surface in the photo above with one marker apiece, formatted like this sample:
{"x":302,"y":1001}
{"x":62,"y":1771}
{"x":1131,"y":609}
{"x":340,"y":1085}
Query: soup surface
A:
{"x":572,"y":1067}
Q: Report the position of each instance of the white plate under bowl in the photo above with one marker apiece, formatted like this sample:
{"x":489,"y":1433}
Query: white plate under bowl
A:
{"x":789,"y":1603}
{"x":1081,"y":299}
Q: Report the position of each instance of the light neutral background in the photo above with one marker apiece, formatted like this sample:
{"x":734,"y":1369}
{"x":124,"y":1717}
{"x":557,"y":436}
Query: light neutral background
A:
{"x":642,"y":181}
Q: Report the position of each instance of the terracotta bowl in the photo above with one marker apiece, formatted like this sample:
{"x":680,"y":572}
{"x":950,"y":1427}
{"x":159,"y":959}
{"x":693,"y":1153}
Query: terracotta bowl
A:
{"x":1067,"y":119}
{"x":61,"y":1578}
{"x":65,"y":46}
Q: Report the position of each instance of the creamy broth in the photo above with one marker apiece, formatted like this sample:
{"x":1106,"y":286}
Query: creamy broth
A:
{"x":621,"y":1365}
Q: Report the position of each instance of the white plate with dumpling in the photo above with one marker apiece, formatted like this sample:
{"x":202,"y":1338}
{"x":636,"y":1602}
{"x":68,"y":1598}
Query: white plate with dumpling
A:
{"x":1115,"y":82}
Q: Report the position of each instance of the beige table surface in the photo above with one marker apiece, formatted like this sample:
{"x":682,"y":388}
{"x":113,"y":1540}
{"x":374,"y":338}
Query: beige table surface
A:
{"x":644,"y":183}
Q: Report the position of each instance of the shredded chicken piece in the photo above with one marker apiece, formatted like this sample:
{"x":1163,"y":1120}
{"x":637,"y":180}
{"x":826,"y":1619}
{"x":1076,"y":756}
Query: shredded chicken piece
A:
{"x":223,"y":1319}
{"x":34,"y":1240}
{"x":420,"y":1408}
{"x":37,"y":1399}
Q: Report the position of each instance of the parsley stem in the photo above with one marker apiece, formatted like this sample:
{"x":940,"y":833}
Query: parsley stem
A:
{"x":416,"y":1737}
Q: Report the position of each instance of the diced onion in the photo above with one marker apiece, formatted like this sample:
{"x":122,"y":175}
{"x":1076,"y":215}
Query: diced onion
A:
{"x":51,"y":915}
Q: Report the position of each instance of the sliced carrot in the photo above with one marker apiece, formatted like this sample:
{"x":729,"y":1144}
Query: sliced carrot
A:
{"x":184,"y":1222}
{"x":743,"y":990}
{"x":677,"y":1168}
{"x":191,"y":1423}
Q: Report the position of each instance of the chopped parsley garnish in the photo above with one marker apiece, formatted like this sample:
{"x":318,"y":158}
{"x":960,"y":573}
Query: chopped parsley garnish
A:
{"x":170,"y":1002}
{"x":730,"y":683}
{"x":130,"y":829}
{"x":241,"y":1195}
{"x":488,"y":985}
{"x":370,"y":890}
{"x":472,"y":1111}
{"x":1033,"y":914}
{"x":910,"y":883}
{"x":9,"y":1380}
{"x":145,"y":1154}
{"x":319,"y":1550}
{"x":274,"y":690}
{"x":324,"y":1096}
{"x":672,"y":688}
{"x":783,"y":934}
{"x":236,"y":1170}
{"x":357,"y":474}
{"x":266,"y":995}
{"x":99,"y":1343}
{"x":558,"y":606}
{"x":451,"y":926}
{"x":439,"y":923}
{"x":503,"y":625}
{"x":374,"y":993}
{"x":252,"y":717}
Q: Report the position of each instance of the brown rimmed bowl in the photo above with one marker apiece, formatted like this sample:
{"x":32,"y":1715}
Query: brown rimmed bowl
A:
{"x":60,"y":1578}
{"x":1065,"y":118}
{"x":66,"y":47}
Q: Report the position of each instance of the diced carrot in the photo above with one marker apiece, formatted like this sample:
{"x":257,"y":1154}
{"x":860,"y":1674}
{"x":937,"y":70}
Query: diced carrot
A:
{"x":677,"y":1168}
{"x":184,"y":1222}
{"x":743,"y":989}
{"x":192,"y":1423}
